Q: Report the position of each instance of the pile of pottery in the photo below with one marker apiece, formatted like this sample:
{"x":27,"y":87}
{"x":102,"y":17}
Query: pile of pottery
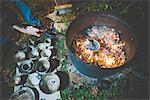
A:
{"x":33,"y":60}
{"x":34,"y":56}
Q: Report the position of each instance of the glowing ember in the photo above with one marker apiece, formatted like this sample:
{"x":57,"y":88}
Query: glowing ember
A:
{"x":100,"y":46}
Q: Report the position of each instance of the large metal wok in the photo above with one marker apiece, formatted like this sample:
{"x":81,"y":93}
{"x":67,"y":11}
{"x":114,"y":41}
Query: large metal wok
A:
{"x":107,"y":19}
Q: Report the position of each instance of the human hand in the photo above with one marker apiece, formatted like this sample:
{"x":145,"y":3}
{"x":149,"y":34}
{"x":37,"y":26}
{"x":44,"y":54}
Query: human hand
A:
{"x":29,"y":30}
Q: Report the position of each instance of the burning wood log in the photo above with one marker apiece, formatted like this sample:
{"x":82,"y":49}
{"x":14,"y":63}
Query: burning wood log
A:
{"x":100,"y":46}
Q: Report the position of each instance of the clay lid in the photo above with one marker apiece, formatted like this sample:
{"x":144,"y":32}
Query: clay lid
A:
{"x":50,"y":83}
